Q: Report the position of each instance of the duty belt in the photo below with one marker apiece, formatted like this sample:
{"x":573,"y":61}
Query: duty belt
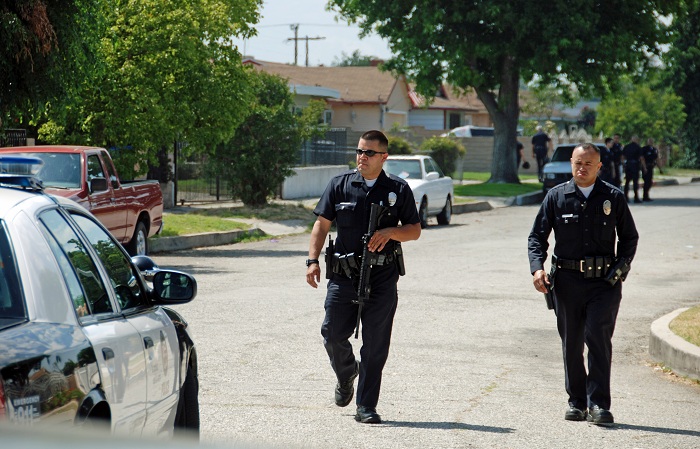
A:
{"x":349,"y":264}
{"x":591,"y":267}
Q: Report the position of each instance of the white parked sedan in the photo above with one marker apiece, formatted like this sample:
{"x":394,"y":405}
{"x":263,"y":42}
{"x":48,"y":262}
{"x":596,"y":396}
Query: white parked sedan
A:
{"x":432,"y":190}
{"x":84,"y":338}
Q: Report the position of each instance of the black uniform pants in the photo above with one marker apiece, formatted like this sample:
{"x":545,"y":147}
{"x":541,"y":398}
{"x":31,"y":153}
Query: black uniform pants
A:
{"x":586,"y":313}
{"x":377,"y":321}
{"x":648,"y":177}
{"x":632,"y":174}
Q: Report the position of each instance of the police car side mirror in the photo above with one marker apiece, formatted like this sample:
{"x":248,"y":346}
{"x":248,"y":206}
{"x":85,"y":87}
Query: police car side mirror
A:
{"x":174,"y":287}
{"x":432,"y":176}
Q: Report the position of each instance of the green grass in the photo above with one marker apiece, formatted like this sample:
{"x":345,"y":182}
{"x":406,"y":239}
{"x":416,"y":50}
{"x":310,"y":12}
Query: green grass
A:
{"x":687,"y":325}
{"x":195,"y":221}
{"x":683,"y":172}
{"x":185,"y":224}
{"x":485,"y":176}
{"x":494,"y":189}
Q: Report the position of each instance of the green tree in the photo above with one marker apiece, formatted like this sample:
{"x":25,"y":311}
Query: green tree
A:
{"x":260,"y":156}
{"x":683,"y":75}
{"x":399,"y":145}
{"x":445,"y":151}
{"x":355,"y":59}
{"x":47,"y":48}
{"x":641,"y":110}
{"x":489,"y":46}
{"x":171,"y":74}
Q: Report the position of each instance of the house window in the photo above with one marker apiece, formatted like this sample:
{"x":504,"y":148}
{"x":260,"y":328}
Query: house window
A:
{"x":455,"y":120}
{"x":327,"y":117}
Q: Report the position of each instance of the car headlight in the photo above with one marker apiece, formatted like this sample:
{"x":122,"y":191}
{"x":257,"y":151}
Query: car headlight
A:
{"x":550,"y":176}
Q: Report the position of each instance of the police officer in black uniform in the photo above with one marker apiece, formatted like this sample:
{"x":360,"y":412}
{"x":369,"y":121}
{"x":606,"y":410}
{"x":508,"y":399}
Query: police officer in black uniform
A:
{"x":588,"y":216}
{"x":632,"y":155}
{"x":651,"y":155}
{"x":347,"y":200}
{"x":607,"y":169}
{"x":616,"y":151}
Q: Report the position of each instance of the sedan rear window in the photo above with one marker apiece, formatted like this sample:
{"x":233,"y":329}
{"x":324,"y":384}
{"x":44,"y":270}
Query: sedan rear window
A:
{"x":12,"y":308}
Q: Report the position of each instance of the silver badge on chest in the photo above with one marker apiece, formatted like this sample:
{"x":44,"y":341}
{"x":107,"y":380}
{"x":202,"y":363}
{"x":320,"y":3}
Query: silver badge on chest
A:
{"x":392,"y":198}
{"x":607,"y":207}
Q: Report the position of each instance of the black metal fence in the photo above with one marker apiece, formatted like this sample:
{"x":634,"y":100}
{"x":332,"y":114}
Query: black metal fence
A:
{"x":13,"y":138}
{"x":195,"y":180}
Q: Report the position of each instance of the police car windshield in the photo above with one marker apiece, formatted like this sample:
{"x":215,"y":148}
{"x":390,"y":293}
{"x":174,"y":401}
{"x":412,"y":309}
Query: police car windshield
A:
{"x":60,"y":170}
{"x":12,"y":309}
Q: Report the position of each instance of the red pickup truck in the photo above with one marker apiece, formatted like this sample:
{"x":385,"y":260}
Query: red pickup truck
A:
{"x":132,"y":211}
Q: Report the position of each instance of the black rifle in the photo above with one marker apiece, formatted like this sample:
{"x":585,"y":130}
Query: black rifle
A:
{"x":368,"y":259}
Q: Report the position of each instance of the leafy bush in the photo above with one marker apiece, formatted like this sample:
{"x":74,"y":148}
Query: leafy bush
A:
{"x":399,"y":145}
{"x":445,"y":151}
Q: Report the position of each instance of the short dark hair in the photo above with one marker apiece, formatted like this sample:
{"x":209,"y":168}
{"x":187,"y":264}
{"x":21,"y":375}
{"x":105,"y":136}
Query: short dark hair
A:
{"x":378,"y":136}
{"x":588,"y":146}
{"x":608,"y":139}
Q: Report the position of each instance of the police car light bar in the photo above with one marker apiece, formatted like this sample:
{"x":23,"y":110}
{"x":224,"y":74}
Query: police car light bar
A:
{"x":19,"y":171}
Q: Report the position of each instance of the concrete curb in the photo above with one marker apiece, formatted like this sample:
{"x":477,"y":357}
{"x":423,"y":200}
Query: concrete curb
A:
{"x":676,"y":353}
{"x":471,"y":207}
{"x":166,"y":244}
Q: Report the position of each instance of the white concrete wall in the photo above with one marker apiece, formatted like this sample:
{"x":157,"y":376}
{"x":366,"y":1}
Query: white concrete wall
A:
{"x":310,"y":182}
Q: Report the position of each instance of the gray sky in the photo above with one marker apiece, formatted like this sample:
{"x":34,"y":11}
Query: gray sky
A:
{"x":274,"y":29}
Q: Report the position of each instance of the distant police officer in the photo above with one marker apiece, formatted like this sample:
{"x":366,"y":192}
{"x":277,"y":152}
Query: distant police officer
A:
{"x":585,"y":213}
{"x":651,"y":155}
{"x":607,"y":169}
{"x":632,"y":155}
{"x":347,"y":200}
{"x":541,"y":145}
{"x":616,"y":151}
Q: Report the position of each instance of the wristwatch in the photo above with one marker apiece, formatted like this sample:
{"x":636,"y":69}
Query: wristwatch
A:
{"x":311,"y":261}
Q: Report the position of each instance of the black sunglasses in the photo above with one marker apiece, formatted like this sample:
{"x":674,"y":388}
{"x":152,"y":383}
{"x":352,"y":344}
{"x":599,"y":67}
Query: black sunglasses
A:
{"x":369,"y":153}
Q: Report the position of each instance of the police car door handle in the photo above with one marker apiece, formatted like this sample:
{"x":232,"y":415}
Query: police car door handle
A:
{"x":107,"y":353}
{"x":147,"y":342}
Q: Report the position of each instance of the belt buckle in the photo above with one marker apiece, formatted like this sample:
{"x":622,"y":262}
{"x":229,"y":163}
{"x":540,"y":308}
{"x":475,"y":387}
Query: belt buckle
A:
{"x":580,"y":263}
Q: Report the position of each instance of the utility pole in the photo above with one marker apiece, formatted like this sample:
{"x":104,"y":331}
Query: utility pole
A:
{"x":295,"y":27}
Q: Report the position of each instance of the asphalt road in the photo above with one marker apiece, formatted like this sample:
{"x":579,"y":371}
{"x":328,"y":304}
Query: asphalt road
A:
{"x":475,"y":359}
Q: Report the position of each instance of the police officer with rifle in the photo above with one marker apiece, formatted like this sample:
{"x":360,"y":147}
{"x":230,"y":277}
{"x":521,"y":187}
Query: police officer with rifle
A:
{"x":596,"y":240}
{"x":373,"y":212}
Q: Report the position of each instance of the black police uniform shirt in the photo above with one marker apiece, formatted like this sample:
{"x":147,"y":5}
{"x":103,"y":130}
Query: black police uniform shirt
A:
{"x":617,"y":153}
{"x":348,"y":201}
{"x":583,"y":227}
{"x":651,"y":154}
{"x":632,"y":153}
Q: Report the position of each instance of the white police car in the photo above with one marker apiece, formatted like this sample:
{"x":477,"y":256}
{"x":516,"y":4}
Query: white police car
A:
{"x":84,"y":338}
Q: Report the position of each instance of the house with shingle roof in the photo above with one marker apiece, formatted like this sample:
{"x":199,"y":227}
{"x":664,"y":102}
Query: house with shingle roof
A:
{"x":362,"y":98}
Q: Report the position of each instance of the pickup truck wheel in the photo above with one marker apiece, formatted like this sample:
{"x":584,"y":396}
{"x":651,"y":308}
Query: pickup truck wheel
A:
{"x":138,"y":246}
{"x":423,"y":213}
{"x":445,"y":215}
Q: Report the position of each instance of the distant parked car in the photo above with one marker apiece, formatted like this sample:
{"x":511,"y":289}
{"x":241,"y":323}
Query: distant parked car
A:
{"x":472,"y":131}
{"x":558,"y":169}
{"x":84,"y":336}
{"x":433,"y":191}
